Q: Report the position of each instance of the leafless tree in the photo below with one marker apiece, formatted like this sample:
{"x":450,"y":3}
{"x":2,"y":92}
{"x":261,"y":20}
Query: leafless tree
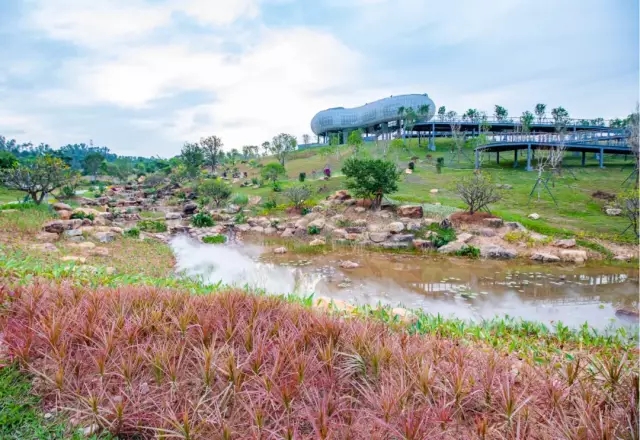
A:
{"x":477,"y":192}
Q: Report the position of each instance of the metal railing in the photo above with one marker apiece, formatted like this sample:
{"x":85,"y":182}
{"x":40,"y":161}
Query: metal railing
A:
{"x":615,"y":136}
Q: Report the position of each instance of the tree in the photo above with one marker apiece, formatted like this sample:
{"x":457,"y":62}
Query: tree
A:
{"x":560,"y":118}
{"x":282,"y":145}
{"x":540,"y":111}
{"x":211,"y":150}
{"x":371,"y":178}
{"x":266,"y":148}
{"x":355,"y":140}
{"x":410,"y":119}
{"x":121,"y":169}
{"x":297,"y":195}
{"x":38,"y":178}
{"x":526,"y":120}
{"x":629,"y":202}
{"x":193,"y":157}
{"x":7,"y":160}
{"x":272,"y":171}
{"x":477,"y":192}
{"x":92,"y":163}
{"x":249,"y":151}
{"x":442,"y":111}
{"x":306,"y":138}
{"x":471,"y":114}
{"x":500,"y":113}
{"x":632,"y":124}
{"x":401,"y":111}
{"x":216,"y":190}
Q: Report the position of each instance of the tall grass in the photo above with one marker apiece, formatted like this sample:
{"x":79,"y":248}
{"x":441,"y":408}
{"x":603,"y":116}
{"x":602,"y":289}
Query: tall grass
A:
{"x":150,"y":362}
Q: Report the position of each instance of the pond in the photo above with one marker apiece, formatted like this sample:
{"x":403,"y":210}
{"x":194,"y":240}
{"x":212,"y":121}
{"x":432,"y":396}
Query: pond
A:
{"x":458,"y":287}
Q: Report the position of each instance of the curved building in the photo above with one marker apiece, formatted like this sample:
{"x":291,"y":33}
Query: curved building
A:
{"x":372,"y":117}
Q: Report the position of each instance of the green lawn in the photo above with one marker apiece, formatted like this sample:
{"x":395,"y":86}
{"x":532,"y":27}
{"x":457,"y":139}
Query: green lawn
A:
{"x":577,"y":212}
{"x":9,"y":195}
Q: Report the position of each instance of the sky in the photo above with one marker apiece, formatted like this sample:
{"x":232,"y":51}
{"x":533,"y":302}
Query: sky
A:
{"x":144,"y":76}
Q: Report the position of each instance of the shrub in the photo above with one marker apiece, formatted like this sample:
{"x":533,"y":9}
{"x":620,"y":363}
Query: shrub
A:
{"x":202,"y":220}
{"x":272,"y":171}
{"x":371,"y":178}
{"x":313,"y":230}
{"x":468,"y":251}
{"x":302,"y":176}
{"x":154,"y":226}
{"x":439,"y":164}
{"x":437,"y":235}
{"x":297,"y":195}
{"x":215,"y":239}
{"x":270,"y":203}
{"x":277,"y":187}
{"x":240,"y":218}
{"x":81,"y":215}
{"x":132,"y":233}
{"x":305,"y":210}
{"x":240,"y":199}
{"x":255,"y":181}
{"x":216,"y":189}
{"x":477,"y":192}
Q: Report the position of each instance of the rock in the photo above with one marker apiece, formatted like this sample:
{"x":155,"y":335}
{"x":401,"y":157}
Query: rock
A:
{"x":349,"y":264}
{"x":90,"y":430}
{"x":288,"y":233}
{"x":355,"y":229}
{"x":493,"y":251}
{"x":413,"y":226}
{"x":339,"y":233}
{"x":360,"y":222}
{"x":515,"y":226}
{"x":270,"y":230}
{"x":317,"y":242}
{"x":613,"y":211}
{"x":280,"y":250}
{"x":486,"y":232}
{"x":44,"y":247}
{"x":74,"y":259}
{"x":464,"y":237}
{"x":622,"y":257}
{"x":410,"y":211}
{"x":189,"y":208}
{"x":402,"y":238}
{"x":264,"y":222}
{"x":98,"y":251}
{"x":423,"y":244}
{"x":493,"y":222}
{"x":173,"y":216}
{"x":566,"y":243}
{"x":104,"y":237}
{"x":59,"y":226}
{"x":534,"y":216}
{"x":318,"y":223}
{"x":359,"y":209}
{"x":258,"y":229}
{"x":302,"y":223}
{"x":394,"y":245}
{"x":434,"y":191}
{"x":47,"y":237}
{"x":243,"y":227}
{"x":254,"y":200}
{"x":545,"y":257}
{"x":395,"y":227}
{"x":378,"y":237}
{"x":87,"y":211}
{"x":8,"y":211}
{"x":327,"y":304}
{"x":86,"y":245}
{"x":446,"y":224}
{"x":573,"y":256}
{"x":405,"y":315}
{"x":73,"y":233}
{"x":64,"y":214}
{"x":342,"y":194}
{"x":452,"y":247}
{"x":62,"y":207}
{"x":353,"y":237}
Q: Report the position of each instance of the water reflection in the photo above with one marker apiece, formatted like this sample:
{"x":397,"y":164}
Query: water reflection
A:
{"x":459,"y":287}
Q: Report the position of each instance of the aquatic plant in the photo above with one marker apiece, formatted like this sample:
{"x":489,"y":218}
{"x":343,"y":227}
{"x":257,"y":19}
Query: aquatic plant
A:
{"x":214,"y":239}
{"x":202,"y":220}
{"x":132,"y":233}
{"x":468,"y":251}
{"x":313,"y":230}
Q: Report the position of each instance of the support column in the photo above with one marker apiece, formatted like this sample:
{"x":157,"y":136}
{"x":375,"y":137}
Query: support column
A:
{"x":515,"y":158}
{"x":584,"y":157}
{"x":601,"y":157}
{"x":529,"y":158}
{"x":498,"y":157}
{"x":477,"y":159}
{"x":432,"y":138}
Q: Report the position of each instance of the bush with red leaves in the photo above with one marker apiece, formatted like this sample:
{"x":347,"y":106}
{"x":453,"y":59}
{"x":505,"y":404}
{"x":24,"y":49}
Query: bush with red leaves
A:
{"x":149,"y":363}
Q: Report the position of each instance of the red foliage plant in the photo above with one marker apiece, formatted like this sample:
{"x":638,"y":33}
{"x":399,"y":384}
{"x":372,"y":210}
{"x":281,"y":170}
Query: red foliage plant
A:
{"x":142,"y":362}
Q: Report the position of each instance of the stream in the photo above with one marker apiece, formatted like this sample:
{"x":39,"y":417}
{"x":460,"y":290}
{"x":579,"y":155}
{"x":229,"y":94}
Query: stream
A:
{"x":463,"y":288}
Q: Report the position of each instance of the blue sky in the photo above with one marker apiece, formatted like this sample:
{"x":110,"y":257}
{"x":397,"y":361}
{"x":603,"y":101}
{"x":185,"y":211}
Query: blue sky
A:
{"x":144,"y":76}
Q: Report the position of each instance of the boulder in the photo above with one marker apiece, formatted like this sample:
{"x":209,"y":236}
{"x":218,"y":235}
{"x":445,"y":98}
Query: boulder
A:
{"x":349,"y":264}
{"x":302,"y":223}
{"x":413,"y":225}
{"x":464,"y":237}
{"x":452,"y":247}
{"x":73,"y":233}
{"x":104,"y":237}
{"x":613,"y":211}
{"x":243,"y":227}
{"x":64,"y":214}
{"x":493,"y":251}
{"x":395,"y":227}
{"x":258,"y":229}
{"x":573,"y":256}
{"x":73,"y":258}
{"x":99,"y":251}
{"x":46,"y":237}
{"x":534,"y":216}
{"x":59,"y":226}
{"x":254,"y":200}
{"x":493,"y":222}
{"x":280,"y":250}
{"x":342,"y":194}
{"x":318,"y":223}
{"x":566,"y":243}
{"x":86,"y":245}
{"x":622,"y":257}
{"x":87,"y":211}
{"x":44,"y":247}
{"x":515,"y":226}
{"x":410,"y":211}
{"x":404,"y":315}
{"x":287,"y":233}
{"x":174,"y":216}
{"x":270,"y":230}
{"x":339,"y":233}
{"x":545,"y":257}
{"x":402,"y":238}
{"x":359,"y":209}
{"x":360,"y":222}
{"x":394,"y":245}
{"x":378,"y":237}
{"x":355,"y":229}
{"x":317,"y":242}
{"x":62,"y":207}
{"x":264,"y":222}
{"x":434,"y":191}
{"x":423,"y":244}
{"x":189,"y":208}
{"x":486,"y":232}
